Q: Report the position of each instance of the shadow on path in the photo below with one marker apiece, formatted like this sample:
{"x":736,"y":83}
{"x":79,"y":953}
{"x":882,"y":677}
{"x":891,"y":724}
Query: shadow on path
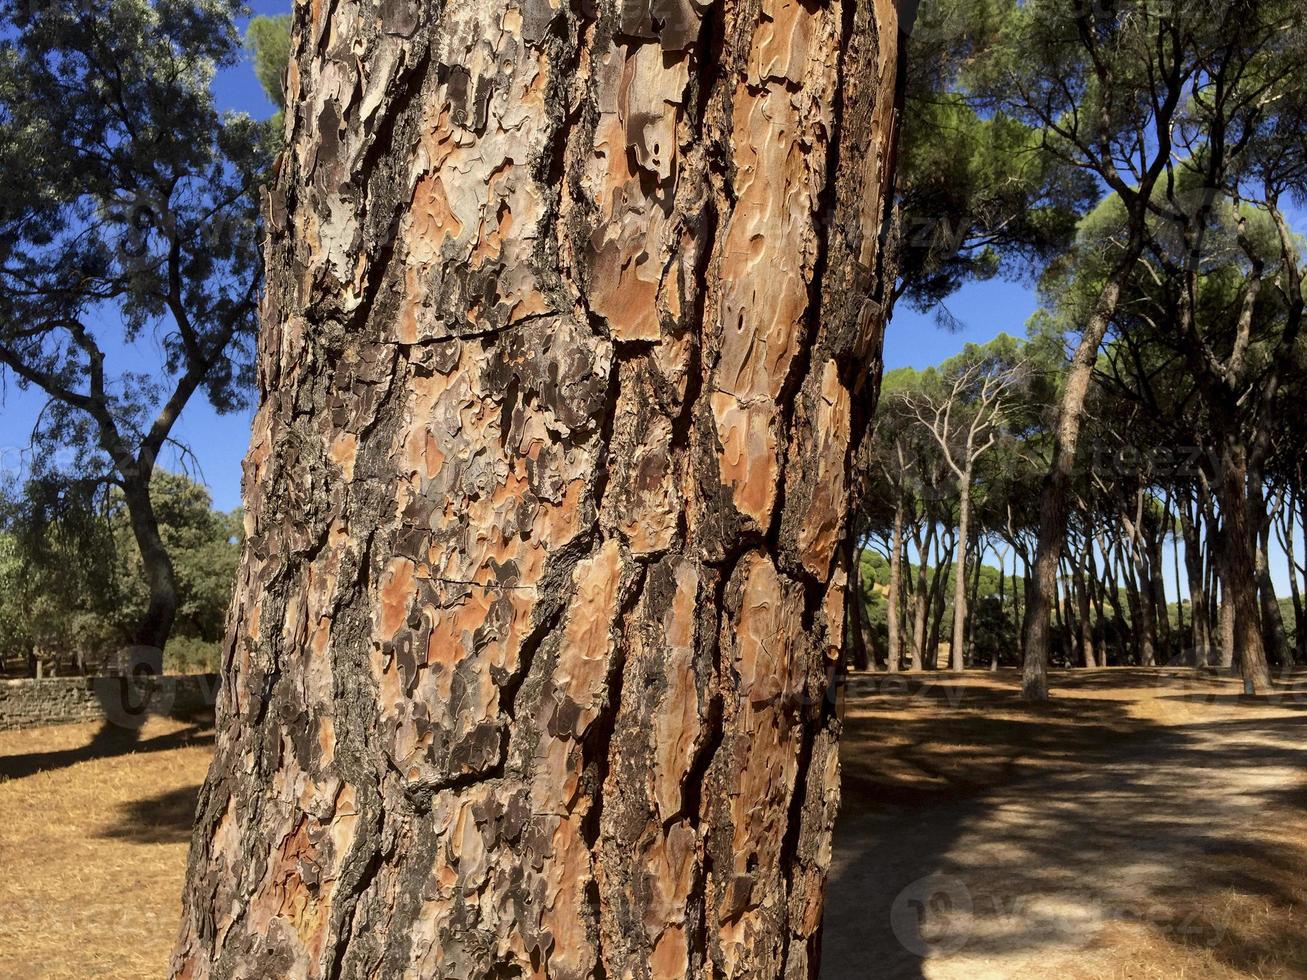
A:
{"x":983,"y":837}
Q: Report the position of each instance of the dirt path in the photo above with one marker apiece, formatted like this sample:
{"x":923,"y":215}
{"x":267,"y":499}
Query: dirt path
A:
{"x":1144,"y":825}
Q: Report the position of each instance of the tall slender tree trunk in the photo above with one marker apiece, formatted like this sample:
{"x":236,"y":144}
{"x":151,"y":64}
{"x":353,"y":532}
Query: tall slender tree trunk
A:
{"x":921,"y":600}
{"x":1143,"y":606}
{"x":1221,"y":596}
{"x":957,"y":640}
{"x":1053,"y":498}
{"x":152,"y":632}
{"x":1096,"y":595}
{"x":1112,"y":571}
{"x":862,"y":659}
{"x":1274,"y":637}
{"x":1064,"y":615}
{"x":1021,"y":603}
{"x":570,"y":315}
{"x":1179,"y":590}
{"x":1239,"y":571}
{"x":1295,"y":590}
{"x":1157,"y":592}
{"x":1199,"y":614}
{"x":939,"y":603}
{"x":973,"y":597}
{"x":1002,"y":605}
{"x":1226,"y":657}
{"x":894,"y":644}
{"x":1139,"y":585}
{"x":1088,"y":657}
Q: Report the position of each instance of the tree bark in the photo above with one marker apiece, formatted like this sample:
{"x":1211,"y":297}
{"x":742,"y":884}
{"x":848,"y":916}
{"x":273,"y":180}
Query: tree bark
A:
{"x":862,"y":660}
{"x":894,"y":645}
{"x":154,"y":629}
{"x":921,"y":599}
{"x":565,"y":352}
{"x":1053,"y":502}
{"x":1274,"y":638}
{"x":1225,"y":658}
{"x":1199,"y":615}
{"x":973,"y":597}
{"x":1143,"y":600}
{"x":1157,"y":588}
{"x":1002,"y":605}
{"x":1295,"y":591}
{"x":938,"y":603}
{"x":1239,"y":571}
{"x":957,"y":639}
{"x":1088,"y":657}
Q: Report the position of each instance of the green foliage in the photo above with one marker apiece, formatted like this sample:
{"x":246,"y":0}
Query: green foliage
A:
{"x":978,"y":194}
{"x":191,"y":655}
{"x":128,"y":206}
{"x":57,"y":573}
{"x":70,"y":578}
{"x":268,"y":39}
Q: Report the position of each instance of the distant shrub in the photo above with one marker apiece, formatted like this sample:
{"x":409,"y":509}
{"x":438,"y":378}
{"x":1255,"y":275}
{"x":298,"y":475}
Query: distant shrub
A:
{"x":191,"y":655}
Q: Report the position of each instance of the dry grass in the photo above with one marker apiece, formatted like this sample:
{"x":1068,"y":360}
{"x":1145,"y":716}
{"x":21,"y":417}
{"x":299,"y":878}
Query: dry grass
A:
{"x":94,"y":827}
{"x":1154,"y":790}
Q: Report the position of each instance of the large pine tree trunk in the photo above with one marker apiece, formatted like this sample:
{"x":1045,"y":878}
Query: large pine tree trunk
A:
{"x":566,"y":345}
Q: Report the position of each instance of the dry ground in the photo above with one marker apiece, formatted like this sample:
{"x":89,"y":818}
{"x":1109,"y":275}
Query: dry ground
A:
{"x":94,"y":825}
{"x":1146,"y":824}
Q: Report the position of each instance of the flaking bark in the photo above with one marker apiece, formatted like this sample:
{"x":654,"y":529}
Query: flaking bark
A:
{"x":572,"y":324}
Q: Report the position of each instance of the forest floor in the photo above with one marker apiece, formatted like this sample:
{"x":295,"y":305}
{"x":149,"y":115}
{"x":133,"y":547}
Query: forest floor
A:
{"x":94,"y":825}
{"x":1142,"y":824}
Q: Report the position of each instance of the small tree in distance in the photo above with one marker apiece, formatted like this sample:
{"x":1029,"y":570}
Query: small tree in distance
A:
{"x":129,"y":211}
{"x":964,"y":418}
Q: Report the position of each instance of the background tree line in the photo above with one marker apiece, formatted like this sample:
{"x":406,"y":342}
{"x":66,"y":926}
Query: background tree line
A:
{"x":1139,"y":581}
{"x":1138,"y":160}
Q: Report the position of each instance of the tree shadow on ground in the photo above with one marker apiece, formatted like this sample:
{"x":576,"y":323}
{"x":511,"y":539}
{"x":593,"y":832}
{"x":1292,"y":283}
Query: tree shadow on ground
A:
{"x":163,"y":819}
{"x":110,"y":740}
{"x":980,"y":830}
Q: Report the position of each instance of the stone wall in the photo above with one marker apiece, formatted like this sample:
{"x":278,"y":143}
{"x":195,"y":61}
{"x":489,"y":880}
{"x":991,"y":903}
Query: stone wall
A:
{"x":122,"y":701}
